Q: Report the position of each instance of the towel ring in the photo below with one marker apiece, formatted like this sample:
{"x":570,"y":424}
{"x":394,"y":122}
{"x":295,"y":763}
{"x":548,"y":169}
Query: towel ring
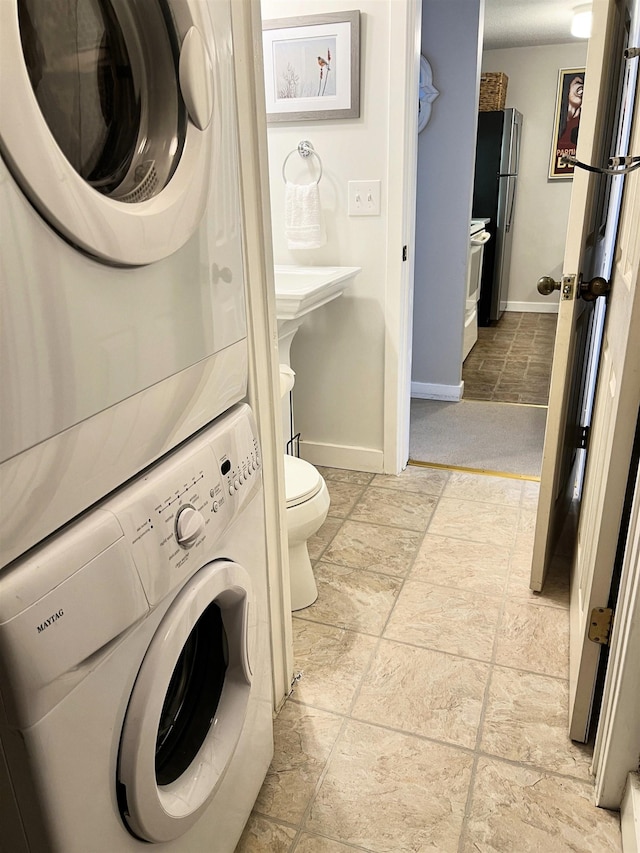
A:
{"x":304,"y":149}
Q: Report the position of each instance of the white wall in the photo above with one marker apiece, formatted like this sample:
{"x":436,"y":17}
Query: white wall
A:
{"x":338,"y":354}
{"x":446,"y":158}
{"x":542,"y":206}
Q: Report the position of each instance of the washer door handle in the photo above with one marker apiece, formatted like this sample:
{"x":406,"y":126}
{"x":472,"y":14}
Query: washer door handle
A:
{"x":196,"y":79}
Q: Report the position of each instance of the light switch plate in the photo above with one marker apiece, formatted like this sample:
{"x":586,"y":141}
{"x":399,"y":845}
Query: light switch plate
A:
{"x":364,"y":198}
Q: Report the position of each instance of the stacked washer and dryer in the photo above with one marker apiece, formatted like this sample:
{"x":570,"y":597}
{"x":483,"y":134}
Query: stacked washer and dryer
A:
{"x":135,"y":671}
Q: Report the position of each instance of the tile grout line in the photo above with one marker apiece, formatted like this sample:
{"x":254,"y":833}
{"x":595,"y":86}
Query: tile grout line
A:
{"x":485,"y":698}
{"x":412,"y":560}
{"x":318,"y":785}
{"x":348,"y":717}
{"x":467,"y":750}
{"x":446,"y":653}
{"x":478,"y":752}
{"x":363,"y":489}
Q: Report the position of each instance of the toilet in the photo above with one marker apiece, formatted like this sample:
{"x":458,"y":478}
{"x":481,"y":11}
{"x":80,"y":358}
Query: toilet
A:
{"x":307,"y":505}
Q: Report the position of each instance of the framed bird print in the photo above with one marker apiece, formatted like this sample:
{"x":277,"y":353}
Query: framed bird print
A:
{"x":312,"y":67}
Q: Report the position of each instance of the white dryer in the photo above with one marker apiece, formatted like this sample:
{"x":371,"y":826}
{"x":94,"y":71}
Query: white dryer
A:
{"x":123,"y":325}
{"x":135,"y":671}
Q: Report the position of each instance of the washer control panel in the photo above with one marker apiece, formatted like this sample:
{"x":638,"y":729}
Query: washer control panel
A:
{"x":174,"y":515}
{"x":91,"y":581}
{"x":241,"y":473}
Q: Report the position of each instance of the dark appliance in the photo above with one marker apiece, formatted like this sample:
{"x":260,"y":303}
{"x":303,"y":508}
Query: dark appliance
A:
{"x":494,"y":195}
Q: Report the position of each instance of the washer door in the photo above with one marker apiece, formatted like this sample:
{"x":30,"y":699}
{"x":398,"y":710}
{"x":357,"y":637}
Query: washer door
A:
{"x":188,"y":705}
{"x":105,"y":119}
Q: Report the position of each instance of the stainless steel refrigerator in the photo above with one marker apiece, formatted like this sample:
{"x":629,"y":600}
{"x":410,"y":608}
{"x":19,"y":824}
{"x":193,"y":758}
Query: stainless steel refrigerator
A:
{"x":494,"y":197}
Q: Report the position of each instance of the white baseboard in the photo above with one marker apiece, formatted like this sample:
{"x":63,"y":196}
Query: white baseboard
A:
{"x":630,"y":815}
{"x":550,"y":307}
{"x":343,"y":456}
{"x":430,"y":391}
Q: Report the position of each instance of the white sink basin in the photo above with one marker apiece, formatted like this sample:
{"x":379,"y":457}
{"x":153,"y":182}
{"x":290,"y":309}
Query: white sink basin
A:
{"x":300,"y":290}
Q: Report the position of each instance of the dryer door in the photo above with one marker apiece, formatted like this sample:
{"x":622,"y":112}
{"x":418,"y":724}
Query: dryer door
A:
{"x":188,"y":704}
{"x":105,"y":119}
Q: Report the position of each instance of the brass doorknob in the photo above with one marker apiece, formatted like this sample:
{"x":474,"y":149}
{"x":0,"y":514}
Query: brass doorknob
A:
{"x":590,"y":290}
{"x":547,"y":285}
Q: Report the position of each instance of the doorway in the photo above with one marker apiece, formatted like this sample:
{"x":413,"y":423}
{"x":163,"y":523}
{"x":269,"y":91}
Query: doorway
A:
{"x":511,"y":361}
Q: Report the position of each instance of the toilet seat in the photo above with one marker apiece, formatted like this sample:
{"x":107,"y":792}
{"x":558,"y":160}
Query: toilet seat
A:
{"x":301,"y":481}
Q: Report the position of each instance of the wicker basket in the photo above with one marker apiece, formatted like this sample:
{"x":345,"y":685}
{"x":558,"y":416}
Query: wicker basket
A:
{"x":493,"y":91}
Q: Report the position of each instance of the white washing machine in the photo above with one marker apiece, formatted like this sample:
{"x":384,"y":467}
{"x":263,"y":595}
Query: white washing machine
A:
{"x":135,"y":666}
{"x":123,"y":325}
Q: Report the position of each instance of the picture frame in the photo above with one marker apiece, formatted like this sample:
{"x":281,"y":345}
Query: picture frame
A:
{"x":312,"y":67}
{"x":566,"y":123}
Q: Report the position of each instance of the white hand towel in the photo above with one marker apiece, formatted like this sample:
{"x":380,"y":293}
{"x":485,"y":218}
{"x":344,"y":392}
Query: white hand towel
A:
{"x":304,"y":225}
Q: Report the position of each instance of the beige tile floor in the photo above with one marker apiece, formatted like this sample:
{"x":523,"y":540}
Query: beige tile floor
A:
{"x":430,"y":711}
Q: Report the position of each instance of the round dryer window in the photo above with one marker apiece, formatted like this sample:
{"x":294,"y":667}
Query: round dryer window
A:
{"x":188,"y":705}
{"x":106,"y":113}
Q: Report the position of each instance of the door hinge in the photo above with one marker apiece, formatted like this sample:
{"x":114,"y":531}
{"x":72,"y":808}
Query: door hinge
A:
{"x":583,"y":437}
{"x":600,"y":625}
{"x":404,"y":253}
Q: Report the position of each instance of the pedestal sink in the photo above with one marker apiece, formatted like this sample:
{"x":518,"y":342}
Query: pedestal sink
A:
{"x":300,"y":290}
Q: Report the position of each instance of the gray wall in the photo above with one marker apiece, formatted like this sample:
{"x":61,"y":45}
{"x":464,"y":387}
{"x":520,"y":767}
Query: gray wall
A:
{"x":451,"y":41}
{"x":542,"y":206}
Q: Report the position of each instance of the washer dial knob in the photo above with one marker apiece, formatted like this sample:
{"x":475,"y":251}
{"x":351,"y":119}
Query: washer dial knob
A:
{"x":189,"y":526}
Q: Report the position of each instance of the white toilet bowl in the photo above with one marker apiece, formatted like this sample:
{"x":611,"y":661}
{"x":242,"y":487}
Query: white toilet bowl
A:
{"x":307,"y":507}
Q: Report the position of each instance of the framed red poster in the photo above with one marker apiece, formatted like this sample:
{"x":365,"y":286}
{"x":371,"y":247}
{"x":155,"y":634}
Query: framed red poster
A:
{"x":566,"y":122}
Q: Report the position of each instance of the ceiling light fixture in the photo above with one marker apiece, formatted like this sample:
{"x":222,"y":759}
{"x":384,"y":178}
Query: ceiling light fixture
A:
{"x":581,"y":22}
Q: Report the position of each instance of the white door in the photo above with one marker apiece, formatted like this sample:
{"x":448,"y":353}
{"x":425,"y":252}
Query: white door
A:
{"x":618,"y":389}
{"x":617,"y":745}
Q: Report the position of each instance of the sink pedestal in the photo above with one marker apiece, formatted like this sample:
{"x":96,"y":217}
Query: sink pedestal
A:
{"x":286,"y":333}
{"x":300,"y":290}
